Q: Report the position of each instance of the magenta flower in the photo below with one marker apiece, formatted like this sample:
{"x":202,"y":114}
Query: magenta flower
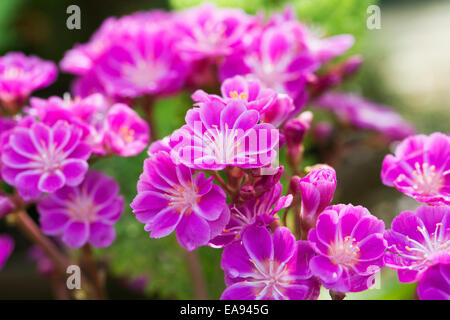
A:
{"x":435,"y":283}
{"x":81,"y":59}
{"x":144,"y":63}
{"x":364,"y":114}
{"x":420,"y":168}
{"x":278,"y":60}
{"x":209,"y":32}
{"x":268,"y":267}
{"x":350,"y":248}
{"x":21,"y":75}
{"x":417,"y":240}
{"x":262,"y":209}
{"x":6,"y":247}
{"x":272,"y":107}
{"x":83,"y":214}
{"x":219,"y":135}
{"x":126,"y":133}
{"x":238,"y":88}
{"x":89,"y":114}
{"x":316,"y":190}
{"x":44,"y":159}
{"x":170,"y":198}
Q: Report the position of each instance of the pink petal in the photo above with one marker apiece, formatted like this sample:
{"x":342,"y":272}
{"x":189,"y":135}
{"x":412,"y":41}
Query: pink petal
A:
{"x":101,"y":235}
{"x":76,"y":234}
{"x":74,"y":171}
{"x":50,"y":182}
{"x":193,"y":231}
{"x":323,"y":268}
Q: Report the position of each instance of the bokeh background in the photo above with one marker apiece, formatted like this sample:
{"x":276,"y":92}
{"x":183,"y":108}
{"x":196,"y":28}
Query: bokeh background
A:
{"x":406,"y":66}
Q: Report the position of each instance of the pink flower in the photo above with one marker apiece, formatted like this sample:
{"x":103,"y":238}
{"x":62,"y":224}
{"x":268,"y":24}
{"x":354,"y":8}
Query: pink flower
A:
{"x":268,"y":267}
{"x":278,"y":60}
{"x":417,"y":240}
{"x":6,"y":247}
{"x":89,"y":114}
{"x":350,"y":248}
{"x":365,"y":114}
{"x":144,"y":63}
{"x":81,"y":59}
{"x":207,"y":31}
{"x":219,"y":135}
{"x":44,"y":159}
{"x":170,"y":198}
{"x":21,"y":75}
{"x":420,"y":168}
{"x":83,"y":214}
{"x":126,"y":133}
{"x":272,"y":107}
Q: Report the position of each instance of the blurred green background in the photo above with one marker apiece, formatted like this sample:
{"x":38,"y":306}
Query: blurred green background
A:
{"x":406,"y":67}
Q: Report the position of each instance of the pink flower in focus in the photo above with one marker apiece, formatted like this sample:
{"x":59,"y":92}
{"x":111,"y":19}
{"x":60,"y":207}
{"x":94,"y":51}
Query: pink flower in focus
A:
{"x":268,"y":267}
{"x":44,"y":159}
{"x":126,"y":133}
{"x":170,"y":198}
{"x":83,"y":214}
{"x":272,"y":107}
{"x":350,"y":248}
{"x":420,"y":168}
{"x":21,"y":75}
{"x":417,"y":240}
{"x":219,"y":135}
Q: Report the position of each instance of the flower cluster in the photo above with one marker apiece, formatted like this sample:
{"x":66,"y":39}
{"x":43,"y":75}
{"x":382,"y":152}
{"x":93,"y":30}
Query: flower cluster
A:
{"x":216,"y":180}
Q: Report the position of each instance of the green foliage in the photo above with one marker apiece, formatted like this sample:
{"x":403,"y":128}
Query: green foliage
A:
{"x":8,"y":8}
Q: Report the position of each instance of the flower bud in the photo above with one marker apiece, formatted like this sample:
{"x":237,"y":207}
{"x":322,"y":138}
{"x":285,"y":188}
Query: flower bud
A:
{"x":247,"y":192}
{"x":317,"y":190}
{"x":295,"y":130}
{"x":6,"y":206}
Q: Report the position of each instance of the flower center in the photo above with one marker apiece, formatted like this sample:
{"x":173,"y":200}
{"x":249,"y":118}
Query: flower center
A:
{"x":183,"y":199}
{"x":127,"y":134}
{"x":431,"y":248}
{"x":224,"y":145}
{"x":345,"y":252}
{"x":424,"y":179}
{"x":11,"y":73}
{"x":242,"y":96}
{"x":82,"y":208}
{"x":142,"y":74}
{"x":273,"y":277}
